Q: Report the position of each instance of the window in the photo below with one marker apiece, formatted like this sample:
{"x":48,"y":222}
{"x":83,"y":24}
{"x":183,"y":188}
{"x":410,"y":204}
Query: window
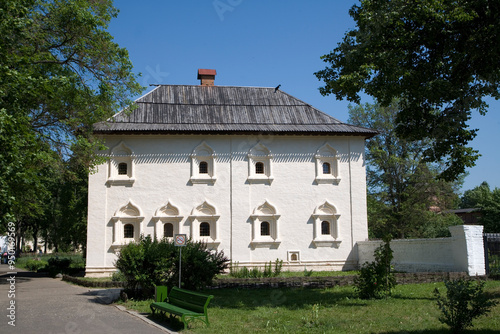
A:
{"x":167,"y":221}
{"x":204,"y":225}
{"x":128,"y":231}
{"x":203,"y":168}
{"x":204,"y":229}
{"x":327,"y":165}
{"x":203,"y":164}
{"x":259,"y":164}
{"x":325,"y":227}
{"x":326,"y":168}
{"x":293,"y":256}
{"x":264,"y":228}
{"x":168,"y":230}
{"x":265,"y":231}
{"x":127,"y":225}
{"x":122,"y":168}
{"x":259,"y":168}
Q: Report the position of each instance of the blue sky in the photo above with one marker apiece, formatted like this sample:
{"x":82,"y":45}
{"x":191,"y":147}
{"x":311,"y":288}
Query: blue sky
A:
{"x":259,"y":43}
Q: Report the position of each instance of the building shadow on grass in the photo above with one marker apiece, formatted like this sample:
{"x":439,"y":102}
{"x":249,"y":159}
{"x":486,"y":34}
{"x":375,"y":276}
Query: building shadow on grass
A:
{"x":291,"y":298}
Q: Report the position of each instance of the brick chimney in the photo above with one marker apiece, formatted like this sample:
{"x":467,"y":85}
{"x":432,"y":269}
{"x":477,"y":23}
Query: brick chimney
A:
{"x":206,"y":77}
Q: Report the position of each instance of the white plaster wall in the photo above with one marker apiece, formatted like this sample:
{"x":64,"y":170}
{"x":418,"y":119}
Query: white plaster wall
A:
{"x":162,"y":168}
{"x":462,"y":252}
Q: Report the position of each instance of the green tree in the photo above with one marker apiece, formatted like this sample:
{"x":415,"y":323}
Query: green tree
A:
{"x":60,"y":72}
{"x":439,"y":57}
{"x":488,"y":202}
{"x":403,"y":192}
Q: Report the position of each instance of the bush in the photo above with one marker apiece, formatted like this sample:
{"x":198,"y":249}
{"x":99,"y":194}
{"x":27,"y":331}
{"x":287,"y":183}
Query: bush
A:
{"x":376,"y":279}
{"x":58,"y":263}
{"x":464,"y":301}
{"x":151,"y":262}
{"x":35,"y":265}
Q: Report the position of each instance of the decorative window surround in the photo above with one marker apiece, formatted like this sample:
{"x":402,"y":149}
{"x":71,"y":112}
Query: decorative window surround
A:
{"x":168,"y":213}
{"x":293,"y":256}
{"x":260,"y":154}
{"x":130,"y":213}
{"x":327,"y":154}
{"x":121,"y":154}
{"x":326,"y":212}
{"x":265,"y":213}
{"x":205,"y":212}
{"x":203,"y":153}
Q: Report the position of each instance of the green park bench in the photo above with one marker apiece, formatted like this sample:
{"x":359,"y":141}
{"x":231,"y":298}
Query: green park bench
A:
{"x":187,"y":304}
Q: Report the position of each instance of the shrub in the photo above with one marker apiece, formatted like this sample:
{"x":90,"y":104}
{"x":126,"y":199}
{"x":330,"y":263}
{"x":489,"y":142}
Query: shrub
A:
{"x":376,"y":279}
{"x":464,"y":301}
{"x":152,"y":262}
{"x":58,"y":263}
{"x":118,"y":277}
{"x":35,"y":265}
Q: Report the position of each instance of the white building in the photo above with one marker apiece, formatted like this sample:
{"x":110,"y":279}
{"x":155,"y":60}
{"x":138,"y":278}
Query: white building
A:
{"x":251,"y":171}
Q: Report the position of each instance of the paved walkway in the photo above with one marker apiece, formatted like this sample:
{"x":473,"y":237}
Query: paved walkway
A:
{"x":47,"y":305}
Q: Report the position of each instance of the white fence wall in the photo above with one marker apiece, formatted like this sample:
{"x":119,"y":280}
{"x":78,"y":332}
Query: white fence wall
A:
{"x":464,"y":251}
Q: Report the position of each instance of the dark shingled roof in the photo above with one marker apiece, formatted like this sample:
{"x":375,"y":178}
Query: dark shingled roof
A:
{"x":224,"y":109}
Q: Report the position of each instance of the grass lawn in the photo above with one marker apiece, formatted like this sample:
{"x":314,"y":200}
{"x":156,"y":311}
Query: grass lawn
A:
{"x":411,"y":309}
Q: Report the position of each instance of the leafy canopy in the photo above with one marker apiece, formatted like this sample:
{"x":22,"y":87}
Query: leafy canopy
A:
{"x":439,"y":57}
{"x":60,"y":72}
{"x":488,"y":203}
{"x":403,"y":192}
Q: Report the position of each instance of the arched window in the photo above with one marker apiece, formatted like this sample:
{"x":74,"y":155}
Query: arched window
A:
{"x":326,"y":168}
{"x":168,"y":230}
{"x":204,"y":229}
{"x":325,"y":227}
{"x":128,"y":231}
{"x":203,"y":164}
{"x":203,"y":167}
{"x":294,"y":257}
{"x":265,"y":228}
{"x":259,"y":168}
{"x":260,"y":164}
{"x":122,"y":168}
{"x":327,"y":165}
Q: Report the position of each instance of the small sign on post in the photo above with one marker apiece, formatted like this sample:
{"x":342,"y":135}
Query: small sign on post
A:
{"x":180,"y":241}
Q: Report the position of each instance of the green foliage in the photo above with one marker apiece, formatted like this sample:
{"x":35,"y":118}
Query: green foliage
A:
{"x":464,"y":301}
{"x":35,"y":265}
{"x":60,"y":72}
{"x":488,"y":202}
{"x":244,"y":272}
{"x":53,"y":265}
{"x":402,"y":187}
{"x":376,"y":279}
{"x":433,"y":55}
{"x":118,"y":277}
{"x":151,"y":262}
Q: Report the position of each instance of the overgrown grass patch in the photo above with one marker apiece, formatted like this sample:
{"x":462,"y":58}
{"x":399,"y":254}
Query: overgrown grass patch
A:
{"x":411,"y":309}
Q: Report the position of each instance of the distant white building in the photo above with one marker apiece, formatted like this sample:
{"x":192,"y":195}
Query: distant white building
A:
{"x":251,"y":171}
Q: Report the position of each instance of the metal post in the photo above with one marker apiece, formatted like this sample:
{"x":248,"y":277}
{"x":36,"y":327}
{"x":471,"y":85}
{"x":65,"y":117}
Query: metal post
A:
{"x":180,"y":265}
